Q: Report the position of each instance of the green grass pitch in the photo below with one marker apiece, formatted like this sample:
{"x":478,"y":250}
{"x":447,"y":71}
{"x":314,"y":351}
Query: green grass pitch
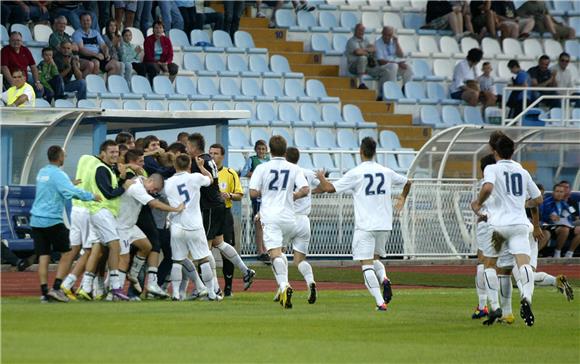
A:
{"x":422,"y":325}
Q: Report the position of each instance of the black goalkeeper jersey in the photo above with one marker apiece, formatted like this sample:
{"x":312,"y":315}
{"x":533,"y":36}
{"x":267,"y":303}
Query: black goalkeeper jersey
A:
{"x":211,"y":196}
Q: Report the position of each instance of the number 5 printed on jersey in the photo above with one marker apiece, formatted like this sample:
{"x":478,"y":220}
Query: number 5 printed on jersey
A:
{"x":183,"y":192}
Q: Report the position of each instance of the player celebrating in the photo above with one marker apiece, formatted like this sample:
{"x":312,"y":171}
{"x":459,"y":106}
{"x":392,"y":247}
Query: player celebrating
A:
{"x":509,"y":184}
{"x":274,"y":182}
{"x":370,"y":184}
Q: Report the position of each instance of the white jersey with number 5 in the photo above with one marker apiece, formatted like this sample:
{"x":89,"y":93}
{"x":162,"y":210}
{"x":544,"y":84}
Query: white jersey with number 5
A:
{"x":370,"y":184}
{"x":131,"y":201}
{"x":512,"y":185}
{"x":276,"y":181}
{"x":184,"y":187}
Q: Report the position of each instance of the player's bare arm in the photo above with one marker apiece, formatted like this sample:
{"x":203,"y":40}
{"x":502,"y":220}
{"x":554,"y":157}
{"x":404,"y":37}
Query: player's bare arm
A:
{"x":199,"y":161}
{"x":538,"y":233}
{"x":324,"y":185}
{"x":484,"y":194}
{"x":403,"y":197}
{"x":303,"y":192}
{"x":156,"y":204}
{"x":255,"y":193}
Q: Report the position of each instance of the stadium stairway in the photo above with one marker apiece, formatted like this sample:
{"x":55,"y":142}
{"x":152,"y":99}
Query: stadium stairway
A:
{"x":309,"y":63}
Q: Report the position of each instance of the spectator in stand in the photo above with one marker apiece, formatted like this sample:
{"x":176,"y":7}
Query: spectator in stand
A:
{"x":125,"y":12}
{"x":387,"y":52}
{"x":487,"y":90}
{"x":24,"y":11}
{"x":483,"y":18}
{"x":50,"y":77}
{"x":112,"y":39}
{"x":130,"y":54}
{"x":143,"y":18}
{"x":573,"y":202}
{"x":158,"y":55}
{"x":558,"y":214}
{"x":16,"y":56}
{"x":511,"y":25}
{"x":69,"y":65}
{"x":59,"y":36}
{"x":464,"y":85}
{"x":92,"y":47}
{"x":20,"y":94}
{"x":564,"y":76}
{"x":544,"y":21}
{"x":360,"y":58}
{"x":170,"y":14}
{"x":521,"y":79}
{"x":188,"y":13}
{"x":542,"y":76}
{"x":441,"y":15}
{"x":215,"y":19}
{"x":232,"y":14}
{"x":73,"y":10}
{"x":275,"y":5}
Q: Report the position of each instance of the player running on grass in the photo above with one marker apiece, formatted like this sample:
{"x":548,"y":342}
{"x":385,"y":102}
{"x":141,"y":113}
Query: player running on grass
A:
{"x":370,"y":184}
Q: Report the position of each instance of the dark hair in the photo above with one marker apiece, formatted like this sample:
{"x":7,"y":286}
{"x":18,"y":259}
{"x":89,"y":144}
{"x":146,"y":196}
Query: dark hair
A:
{"x":218,"y":146}
{"x":292,"y":155}
{"x":485,"y":63}
{"x":557,"y":185}
{"x":159,"y":22}
{"x":107,"y":33}
{"x":474,"y":55}
{"x":197,"y":140}
{"x":486,"y":161}
{"x":540,"y":186}
{"x":14,"y":32}
{"x":126,"y":30}
{"x":46,"y":49}
{"x":148,"y":139}
{"x":132,"y":155}
{"x":123,"y":148}
{"x":162,"y":144}
{"x":563,"y":54}
{"x":494,"y":137}
{"x":182,"y":162}
{"x":277,"y":145}
{"x":260,"y":142}
{"x":513,"y":63}
{"x":17,"y":70}
{"x":176,"y":147}
{"x":182,"y":134}
{"x":53,"y":153}
{"x":139,"y":143}
{"x":562,"y":182}
{"x":107,"y":143}
{"x":544,"y":57}
{"x":86,"y":14}
{"x":124,"y":137}
{"x":368,"y":147}
{"x":505,"y":147}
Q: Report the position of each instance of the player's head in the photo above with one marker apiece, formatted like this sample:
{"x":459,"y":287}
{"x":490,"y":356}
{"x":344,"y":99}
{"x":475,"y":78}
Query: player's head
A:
{"x":177,"y":148}
{"x":292,"y":155}
{"x":55,"y":155}
{"x":217,"y":152}
{"x":135,"y":156}
{"x":126,"y":138}
{"x":261,"y":148}
{"x":559,"y":192}
{"x":486,"y":161}
{"x":154,"y":184}
{"x":151,"y":143}
{"x":109,"y":151}
{"x":277,"y":146}
{"x":494,"y":137}
{"x":566,"y":186}
{"x":182,"y":137}
{"x":504,"y":147}
{"x":368,"y":148}
{"x":195,"y":144}
{"x":182,"y":163}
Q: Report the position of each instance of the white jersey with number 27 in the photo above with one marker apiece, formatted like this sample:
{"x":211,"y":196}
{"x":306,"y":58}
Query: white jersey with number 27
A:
{"x":276,"y":180}
{"x":512,"y":185}
{"x":184,"y":187}
{"x":370,"y":184}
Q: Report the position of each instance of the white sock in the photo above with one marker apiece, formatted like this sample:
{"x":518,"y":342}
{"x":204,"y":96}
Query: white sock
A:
{"x":306,"y":270}
{"x":176,"y":277}
{"x":480,"y":286}
{"x":87,"y":282}
{"x":569,"y":254}
{"x":216,"y":284}
{"x":151,"y":276}
{"x":280,"y":272}
{"x":380,"y":270}
{"x":516,"y":274}
{"x":232,"y":255}
{"x":527,"y":279}
{"x":69,"y":281}
{"x":372,"y":283}
{"x":122,"y":277}
{"x":114,"y":279}
{"x":505,"y":296}
{"x":208,"y":279}
{"x":557,"y":253}
{"x":283,"y":256}
{"x":544,"y":279}
{"x":492,"y":287}
{"x":137,"y":265}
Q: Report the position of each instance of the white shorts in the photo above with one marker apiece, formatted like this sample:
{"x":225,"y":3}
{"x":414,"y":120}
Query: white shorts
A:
{"x":80,"y":228}
{"x":127,"y":237}
{"x":184,"y":242}
{"x":517,"y":238}
{"x":104,"y":224}
{"x":507,"y":260}
{"x":276,"y":234}
{"x":365,"y":244}
{"x":301,"y":236}
{"x":484,"y":232}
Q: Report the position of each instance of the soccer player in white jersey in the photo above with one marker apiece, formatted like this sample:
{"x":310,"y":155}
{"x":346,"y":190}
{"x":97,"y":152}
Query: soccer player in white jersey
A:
{"x":370,"y":184}
{"x":509,"y":184}
{"x":274,"y":182}
{"x":136,"y":196}
{"x":187,"y":232}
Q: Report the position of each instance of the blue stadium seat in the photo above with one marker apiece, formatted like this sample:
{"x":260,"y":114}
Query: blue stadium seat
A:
{"x":552,"y":46}
{"x":404,"y":160}
{"x":259,"y":63}
{"x":305,"y":161}
{"x":392,"y":92}
{"x":444,"y":68}
{"x":179,"y":39}
{"x":15,"y":205}
{"x":162,"y":86}
{"x":294,"y":88}
{"x":42,"y":33}
{"x":363,"y":133}
{"x":287,"y":114}
{"x":533,"y":48}
{"x":186,"y":86}
{"x":303,"y":138}
{"x":346,"y":139}
{"x":472,"y":115}
{"x":265,"y":115}
{"x":245,"y":41}
{"x":192,"y":63}
{"x":236,"y":63}
{"x":258,"y":134}
{"x":207,"y":87}
{"x":344,"y":161}
{"x":315,"y":88}
{"x":325,"y":138}
{"x":416,"y":21}
{"x":41,"y":103}
{"x":62,"y":103}
{"x":352,"y":114}
{"x":422,"y":71}
{"x":236,"y":161}
{"x":449,"y":47}
{"x":572,"y":46}
{"x":86,"y":104}
{"x":284,"y":133}
{"x":389,"y":140}
{"x":372,"y":21}
{"x":221,"y":105}
{"x":328,"y":20}
{"x":177,"y":106}
{"x":280,"y":64}
{"x":199,"y":106}
{"x":215,"y":63}
{"x":4,"y":37}
{"x":244,"y":106}
{"x":27,"y":39}
{"x":238,"y":138}
{"x":331,"y":116}
{"x":250,"y":87}
{"x":430,"y":116}
{"x":132,"y":105}
{"x":140,"y":85}
{"x":415,"y":90}
{"x":285,"y":18}
{"x":339,"y":42}
{"x":307,"y":23}
{"x":155,"y":106}
{"x":492,"y":115}
{"x":436,"y":91}
{"x":309,"y":115}
{"x":272,"y":87}
{"x":324,"y":161}
{"x":96,"y":88}
{"x":110,"y":105}
{"x":230,"y":87}
{"x":222,"y":39}
{"x":348,"y":20}
{"x":320,"y":43}
{"x":451,"y":115}
{"x":118,"y":85}
{"x":202,"y":37}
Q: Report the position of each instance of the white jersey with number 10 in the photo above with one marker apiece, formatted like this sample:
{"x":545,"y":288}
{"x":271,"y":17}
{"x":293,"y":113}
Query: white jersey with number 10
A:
{"x":184,"y":187}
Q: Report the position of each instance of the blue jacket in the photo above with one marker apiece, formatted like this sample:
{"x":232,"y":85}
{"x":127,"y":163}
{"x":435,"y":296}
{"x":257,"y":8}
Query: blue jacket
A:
{"x":560,"y":208}
{"x":53,"y":187}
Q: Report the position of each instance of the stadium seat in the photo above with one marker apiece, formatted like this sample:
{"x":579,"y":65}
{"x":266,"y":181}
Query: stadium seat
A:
{"x":450,"y":115}
{"x":61,"y":103}
{"x":177,"y":106}
{"x":118,"y":85}
{"x":436,"y":91}
{"x":258,"y":134}
{"x":285,"y":18}
{"x":352,"y":114}
{"x":42,"y":33}
{"x":320,"y":43}
{"x":186,"y":86}
{"x":162,"y":86}
{"x":86,"y":104}
{"x":259,"y":63}
{"x":250,"y":87}
{"x":325,"y":138}
{"x":415,"y":90}
{"x":348,"y":20}
{"x":389,"y":140}
{"x":237,"y":63}
{"x":4,"y":37}
{"x":207,"y":87}
{"x":331,"y":116}
{"x":310,"y":115}
{"x":303,"y":138}
{"x":27,"y":39}
{"x":294,"y":88}
{"x":155,"y":106}
{"x":572,"y":46}
{"x":179,"y":39}
{"x":416,"y":21}
{"x":243,"y":106}
{"x":230,"y":87}
{"x":199,"y":106}
{"x":192,"y":63}
{"x":110,"y":105}
{"x":221,"y":105}
{"x":513,"y":48}
{"x":409,"y":45}
{"x":392,"y":92}
{"x":41,"y":103}
{"x":307,"y":23}
{"x":140,"y":85}
{"x":236,"y":161}
{"x":553,"y":47}
{"x":339,"y":42}
{"x":245,"y":41}
{"x":533,"y":48}
{"x":428,"y":45}
{"x":344,"y":161}
{"x":138,"y":38}
{"x":468,"y":43}
{"x":214,"y":62}
{"x":272,"y":87}
{"x":328,"y":20}
{"x":492,"y":115}
{"x":289,"y":116}
{"x":265,"y":115}
{"x":389,"y":160}
{"x":430,"y":116}
{"x":132,"y":105}
{"x":36,"y":54}
{"x":323,"y":161}
{"x":492,"y":49}
{"x":404,"y":160}
{"x":96,"y":88}
{"x":15,"y":205}
{"x":315,"y":88}
{"x":70,"y":30}
{"x":372,"y":21}
{"x":222,"y":39}
{"x":363,"y":133}
{"x":285,"y":134}
{"x":472,"y":115}
{"x":449,"y":47}
{"x":305,"y":161}
{"x":346,"y":139}
{"x":237,"y":138}
{"x":279,"y":64}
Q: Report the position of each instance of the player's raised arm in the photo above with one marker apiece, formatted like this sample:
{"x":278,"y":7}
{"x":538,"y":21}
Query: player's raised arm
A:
{"x":302,"y":184}
{"x":325,"y":185}
{"x":403,"y":197}
{"x":156,"y":204}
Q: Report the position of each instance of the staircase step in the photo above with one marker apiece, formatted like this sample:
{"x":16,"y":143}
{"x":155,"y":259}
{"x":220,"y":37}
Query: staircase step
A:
{"x":265,"y":35}
{"x":281,"y":46}
{"x":352,"y":93}
{"x":367,"y":106}
{"x":300,"y":57}
{"x":387,"y":119}
{"x":332,"y":82}
{"x":247,"y":22}
{"x":315,"y":69}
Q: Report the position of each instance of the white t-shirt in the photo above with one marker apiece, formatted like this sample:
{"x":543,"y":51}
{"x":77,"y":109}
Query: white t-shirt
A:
{"x":130,"y":204}
{"x":184,"y":187}
{"x":370,"y":184}
{"x":276,"y":181}
{"x":303,"y":205}
{"x":461,"y":73}
{"x":512,"y":185}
